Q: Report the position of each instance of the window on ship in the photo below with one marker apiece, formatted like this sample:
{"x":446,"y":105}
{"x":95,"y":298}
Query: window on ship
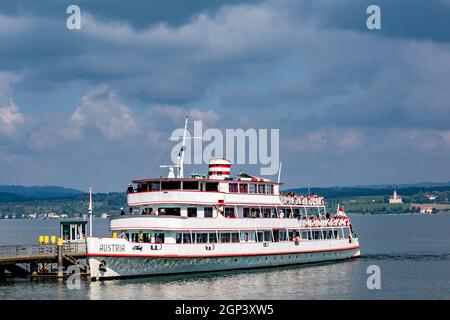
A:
{"x":169,"y":211}
{"x":225,"y":237}
{"x":159,"y":237}
{"x":201,"y":237}
{"x":229,"y":213}
{"x":192,"y":212}
{"x":208,"y":212}
{"x":305,"y":235}
{"x":212,"y":238}
{"x":293,"y":234}
{"x":211,"y":186}
{"x":337,"y":235}
{"x":317,"y":235}
{"x":346,"y":232}
{"x":233,"y":187}
{"x":266,"y":212}
{"x":170,"y":185}
{"x":268,"y":236}
{"x":187,"y":238}
{"x":147,"y":237}
{"x":155,"y":186}
{"x":282,"y":235}
{"x":190,"y":185}
{"x":243,"y":188}
{"x":260,"y":236}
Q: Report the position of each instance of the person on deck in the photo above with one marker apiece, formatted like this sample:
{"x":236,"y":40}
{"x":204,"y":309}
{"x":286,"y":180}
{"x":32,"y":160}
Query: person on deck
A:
{"x":130,"y":188}
{"x":122,"y":212}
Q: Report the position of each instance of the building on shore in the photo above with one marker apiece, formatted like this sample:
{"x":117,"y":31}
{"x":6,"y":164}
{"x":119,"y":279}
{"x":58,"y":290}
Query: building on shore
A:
{"x":395,"y":199}
{"x":426,"y":210}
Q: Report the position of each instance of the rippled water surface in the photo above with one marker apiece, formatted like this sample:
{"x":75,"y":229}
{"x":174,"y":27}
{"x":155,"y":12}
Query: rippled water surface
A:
{"x":413,"y":253}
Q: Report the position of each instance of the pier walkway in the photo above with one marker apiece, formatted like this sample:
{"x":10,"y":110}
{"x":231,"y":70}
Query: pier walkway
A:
{"x":38,"y":259}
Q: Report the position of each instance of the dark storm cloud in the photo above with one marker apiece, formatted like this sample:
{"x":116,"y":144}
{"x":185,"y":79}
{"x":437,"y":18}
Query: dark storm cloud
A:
{"x":138,"y":13}
{"x":352,"y":105}
{"x":406,"y":19}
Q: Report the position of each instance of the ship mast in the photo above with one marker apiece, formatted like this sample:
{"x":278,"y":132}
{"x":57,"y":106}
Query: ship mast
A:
{"x":90,"y":211}
{"x":181,"y":154}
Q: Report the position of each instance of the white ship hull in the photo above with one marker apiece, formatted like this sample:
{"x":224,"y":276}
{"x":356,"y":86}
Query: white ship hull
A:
{"x":256,"y":255}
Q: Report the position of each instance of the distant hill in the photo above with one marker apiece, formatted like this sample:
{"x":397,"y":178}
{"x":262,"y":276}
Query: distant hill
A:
{"x":381,"y":190}
{"x":12,"y":197}
{"x":405,"y":185}
{"x":22,"y":193}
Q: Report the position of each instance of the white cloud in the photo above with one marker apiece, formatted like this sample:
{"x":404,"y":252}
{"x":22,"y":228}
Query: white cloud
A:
{"x":176,"y":114}
{"x":11,"y":120}
{"x":7,"y":80}
{"x":101,"y":110}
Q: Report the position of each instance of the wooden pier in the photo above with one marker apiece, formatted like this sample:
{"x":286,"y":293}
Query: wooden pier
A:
{"x":41,"y":259}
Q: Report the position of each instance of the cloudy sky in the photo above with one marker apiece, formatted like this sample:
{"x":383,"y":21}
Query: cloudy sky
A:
{"x":96,"y":106}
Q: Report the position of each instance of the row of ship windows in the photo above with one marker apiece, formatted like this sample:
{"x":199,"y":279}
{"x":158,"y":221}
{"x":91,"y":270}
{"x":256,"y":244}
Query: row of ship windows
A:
{"x":176,"y":211}
{"x":260,"y":236}
{"x":243,"y":236}
{"x":208,"y":186}
{"x":229,"y":212}
{"x":250,"y":188}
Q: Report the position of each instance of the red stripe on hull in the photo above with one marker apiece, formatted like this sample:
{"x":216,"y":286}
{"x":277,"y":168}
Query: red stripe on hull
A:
{"x":216,"y":255}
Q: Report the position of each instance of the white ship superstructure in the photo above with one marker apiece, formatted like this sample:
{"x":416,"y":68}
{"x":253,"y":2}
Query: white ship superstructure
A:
{"x":217,"y":222}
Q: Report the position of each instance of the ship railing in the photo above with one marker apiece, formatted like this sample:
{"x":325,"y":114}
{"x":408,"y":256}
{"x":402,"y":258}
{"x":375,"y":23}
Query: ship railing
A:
{"x":40,"y":249}
{"x":319,"y":223}
{"x":301,"y":200}
{"x":27,"y":250}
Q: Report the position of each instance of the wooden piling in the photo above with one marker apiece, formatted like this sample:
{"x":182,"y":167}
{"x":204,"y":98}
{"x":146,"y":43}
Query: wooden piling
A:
{"x":60,"y":258}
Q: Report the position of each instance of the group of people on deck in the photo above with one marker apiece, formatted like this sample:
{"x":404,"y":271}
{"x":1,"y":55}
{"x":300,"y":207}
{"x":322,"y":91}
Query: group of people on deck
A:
{"x":292,"y":198}
{"x":326,"y":221}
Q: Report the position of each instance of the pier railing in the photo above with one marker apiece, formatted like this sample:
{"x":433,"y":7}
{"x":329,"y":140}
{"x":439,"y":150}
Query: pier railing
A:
{"x":40,"y":249}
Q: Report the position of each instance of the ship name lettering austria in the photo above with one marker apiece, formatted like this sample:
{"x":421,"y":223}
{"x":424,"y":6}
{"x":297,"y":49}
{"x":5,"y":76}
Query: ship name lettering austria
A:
{"x":112,"y":248}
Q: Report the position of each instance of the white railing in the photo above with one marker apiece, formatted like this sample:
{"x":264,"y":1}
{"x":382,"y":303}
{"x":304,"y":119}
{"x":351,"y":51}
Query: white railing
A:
{"x":40,"y":249}
{"x":302,"y":200}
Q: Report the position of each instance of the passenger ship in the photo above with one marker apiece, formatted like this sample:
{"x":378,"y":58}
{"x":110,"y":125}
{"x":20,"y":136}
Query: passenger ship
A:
{"x":217,"y":222}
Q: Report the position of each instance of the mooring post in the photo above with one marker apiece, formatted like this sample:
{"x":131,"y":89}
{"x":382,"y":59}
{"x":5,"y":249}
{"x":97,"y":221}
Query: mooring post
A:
{"x":60,"y":258}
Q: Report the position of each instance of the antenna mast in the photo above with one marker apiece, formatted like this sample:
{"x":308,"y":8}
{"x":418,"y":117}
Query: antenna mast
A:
{"x":90,"y":211}
{"x":279,"y":172}
{"x":181,"y":154}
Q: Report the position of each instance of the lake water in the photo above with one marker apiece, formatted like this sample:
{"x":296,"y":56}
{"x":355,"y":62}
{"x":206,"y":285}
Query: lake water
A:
{"x":412,"y":252}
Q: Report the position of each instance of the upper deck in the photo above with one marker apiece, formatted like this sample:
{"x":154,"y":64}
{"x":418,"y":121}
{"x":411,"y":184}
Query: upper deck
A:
{"x":230,"y":192}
